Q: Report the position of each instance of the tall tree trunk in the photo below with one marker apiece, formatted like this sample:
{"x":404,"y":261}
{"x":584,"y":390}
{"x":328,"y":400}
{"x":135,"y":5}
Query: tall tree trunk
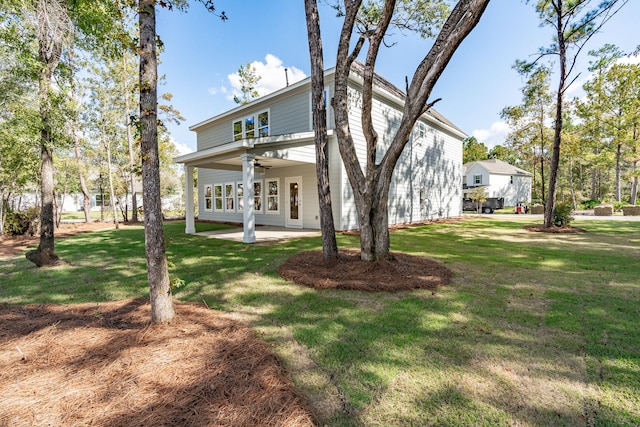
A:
{"x":158,"y":274}
{"x":557,"y":136}
{"x":51,"y":26}
{"x":370,"y":185}
{"x":2,"y":212}
{"x":571,"y":184}
{"x":634,"y":184}
{"x":86,"y":197}
{"x":329,"y":243}
{"x":112,"y":195}
{"x":618,"y":172}
{"x":132,"y":164}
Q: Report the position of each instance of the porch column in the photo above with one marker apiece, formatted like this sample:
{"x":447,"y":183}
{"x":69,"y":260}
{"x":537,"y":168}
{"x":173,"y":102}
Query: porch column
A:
{"x":248,"y":216}
{"x":189,"y":214}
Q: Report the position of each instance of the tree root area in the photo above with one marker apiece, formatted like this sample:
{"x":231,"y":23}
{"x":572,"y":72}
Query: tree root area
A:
{"x":400,"y":272}
{"x":104,"y":364}
{"x":554,"y":229}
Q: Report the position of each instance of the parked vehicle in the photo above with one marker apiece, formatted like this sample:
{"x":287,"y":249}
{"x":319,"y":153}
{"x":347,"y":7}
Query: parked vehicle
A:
{"x":488,"y":207}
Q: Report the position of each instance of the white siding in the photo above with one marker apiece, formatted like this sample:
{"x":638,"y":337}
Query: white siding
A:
{"x":431,"y":165}
{"x":287,"y":115}
{"x":477,"y":170}
{"x":519,"y":191}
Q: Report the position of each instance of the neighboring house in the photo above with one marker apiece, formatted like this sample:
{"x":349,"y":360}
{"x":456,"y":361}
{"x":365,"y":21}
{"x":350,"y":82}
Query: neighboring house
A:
{"x":268,"y":146}
{"x":500,"y":179}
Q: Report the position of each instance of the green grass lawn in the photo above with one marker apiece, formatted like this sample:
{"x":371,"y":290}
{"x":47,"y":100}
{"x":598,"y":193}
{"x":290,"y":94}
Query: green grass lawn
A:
{"x":536,"y":329}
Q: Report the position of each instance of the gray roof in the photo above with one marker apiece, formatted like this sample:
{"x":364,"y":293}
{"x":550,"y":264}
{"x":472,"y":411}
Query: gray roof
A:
{"x":496,"y":167}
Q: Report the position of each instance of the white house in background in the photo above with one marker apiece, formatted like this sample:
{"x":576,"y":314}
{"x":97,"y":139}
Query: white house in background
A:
{"x":256,"y":162}
{"x":500,"y":179}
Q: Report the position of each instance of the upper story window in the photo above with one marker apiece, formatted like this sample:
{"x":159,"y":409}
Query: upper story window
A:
{"x":511,"y":180}
{"x":477,"y":179}
{"x":422,"y":130}
{"x":253,"y":126}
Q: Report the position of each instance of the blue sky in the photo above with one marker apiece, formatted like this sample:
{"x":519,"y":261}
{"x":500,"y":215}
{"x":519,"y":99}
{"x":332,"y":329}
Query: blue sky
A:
{"x":202,"y":54}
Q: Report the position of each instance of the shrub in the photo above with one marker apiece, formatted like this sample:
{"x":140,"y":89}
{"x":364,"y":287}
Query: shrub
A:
{"x":562,"y":214}
{"x":589,"y":204}
{"x":19,"y":223}
{"x":617,"y":206}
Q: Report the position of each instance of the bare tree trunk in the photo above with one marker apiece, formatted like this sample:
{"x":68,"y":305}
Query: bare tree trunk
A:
{"x":571,"y":185}
{"x":52,"y":24}
{"x":3,"y":212}
{"x":634,"y":185}
{"x":371,"y":184}
{"x":329,"y":243}
{"x":112,"y":195}
{"x":159,"y":290}
{"x":86,"y":197}
{"x":132,"y":175}
{"x":634,"y":168}
{"x":557,"y":137}
{"x":618,"y":172}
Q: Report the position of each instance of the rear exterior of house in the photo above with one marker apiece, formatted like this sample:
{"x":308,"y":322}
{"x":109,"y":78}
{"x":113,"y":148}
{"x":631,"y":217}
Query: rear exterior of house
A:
{"x":500,"y":180}
{"x":268,"y":145}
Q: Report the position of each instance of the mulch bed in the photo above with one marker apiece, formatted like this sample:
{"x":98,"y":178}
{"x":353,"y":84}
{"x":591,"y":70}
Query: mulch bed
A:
{"x":554,"y":229}
{"x":14,"y":245}
{"x":104,"y":364}
{"x":400,"y":272}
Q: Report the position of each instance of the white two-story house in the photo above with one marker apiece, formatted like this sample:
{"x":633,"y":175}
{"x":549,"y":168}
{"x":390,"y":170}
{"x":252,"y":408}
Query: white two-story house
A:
{"x":256,"y":162}
{"x":499,"y":179}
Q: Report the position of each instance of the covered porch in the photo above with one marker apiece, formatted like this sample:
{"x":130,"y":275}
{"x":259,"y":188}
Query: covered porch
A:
{"x":249,"y":156}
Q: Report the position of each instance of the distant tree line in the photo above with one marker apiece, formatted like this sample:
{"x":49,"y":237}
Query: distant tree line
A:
{"x":601,"y":132}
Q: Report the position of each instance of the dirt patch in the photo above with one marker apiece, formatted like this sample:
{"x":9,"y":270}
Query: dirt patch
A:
{"x":104,"y":364}
{"x":401,"y":272}
{"x":554,"y":229}
{"x":14,"y":245}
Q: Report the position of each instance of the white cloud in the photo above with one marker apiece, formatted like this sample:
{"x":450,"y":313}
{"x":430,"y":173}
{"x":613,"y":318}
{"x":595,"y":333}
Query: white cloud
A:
{"x":216,"y":90}
{"x":495,"y":135}
{"x":272,"y":76}
{"x":181,"y":149}
{"x":633,"y":59}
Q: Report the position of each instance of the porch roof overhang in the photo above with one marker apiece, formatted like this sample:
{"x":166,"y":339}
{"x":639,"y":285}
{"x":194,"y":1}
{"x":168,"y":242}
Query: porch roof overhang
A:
{"x":276,"y":151}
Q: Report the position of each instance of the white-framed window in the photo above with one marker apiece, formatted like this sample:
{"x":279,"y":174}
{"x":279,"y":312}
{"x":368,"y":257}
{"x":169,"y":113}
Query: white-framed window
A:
{"x":273,"y":195}
{"x":218,"y":198}
{"x":229,"y":197}
{"x":477,"y":179}
{"x":239,"y":196}
{"x":422,"y":130}
{"x":257,"y":196}
{"x":511,"y":179}
{"x":253,"y":126}
{"x":263,"y":124}
{"x":208,"y":201}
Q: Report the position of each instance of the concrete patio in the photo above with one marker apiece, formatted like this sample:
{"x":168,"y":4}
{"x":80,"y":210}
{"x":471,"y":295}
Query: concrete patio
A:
{"x":264,"y":233}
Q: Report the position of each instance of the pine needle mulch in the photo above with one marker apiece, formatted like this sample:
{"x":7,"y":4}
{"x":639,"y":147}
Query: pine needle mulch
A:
{"x":397,"y":273}
{"x":104,"y":364}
